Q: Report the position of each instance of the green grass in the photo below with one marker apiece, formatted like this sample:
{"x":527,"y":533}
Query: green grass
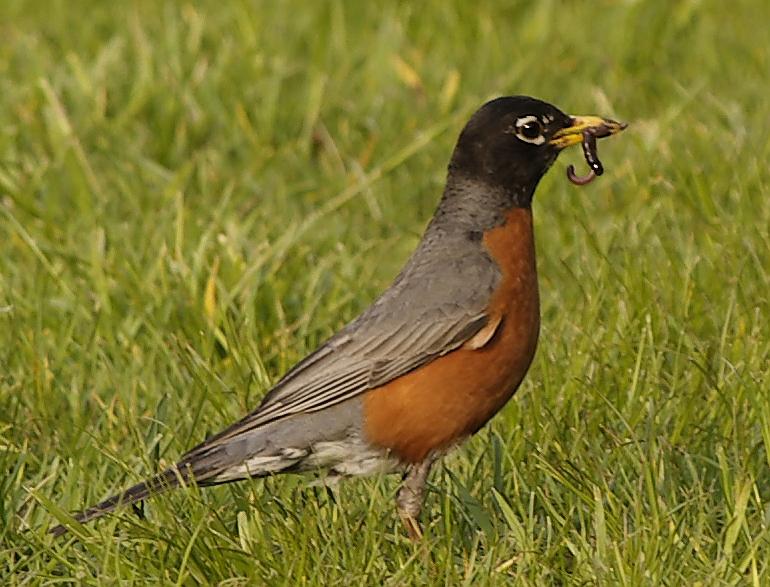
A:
{"x":193,"y":196}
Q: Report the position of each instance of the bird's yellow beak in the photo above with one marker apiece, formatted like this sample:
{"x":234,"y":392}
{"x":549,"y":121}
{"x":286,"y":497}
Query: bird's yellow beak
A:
{"x":573,"y":134}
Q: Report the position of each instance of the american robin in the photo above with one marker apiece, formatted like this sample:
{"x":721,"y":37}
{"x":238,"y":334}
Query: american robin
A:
{"x":436,"y":355}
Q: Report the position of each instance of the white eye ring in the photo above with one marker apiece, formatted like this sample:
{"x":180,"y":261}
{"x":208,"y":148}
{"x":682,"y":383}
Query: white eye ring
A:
{"x":527,"y":124}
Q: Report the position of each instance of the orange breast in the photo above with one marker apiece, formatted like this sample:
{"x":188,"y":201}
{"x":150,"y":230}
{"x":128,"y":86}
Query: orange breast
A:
{"x":455,"y":395}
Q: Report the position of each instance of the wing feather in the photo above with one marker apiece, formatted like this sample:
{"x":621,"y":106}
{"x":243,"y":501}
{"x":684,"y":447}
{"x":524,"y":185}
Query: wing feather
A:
{"x":414,"y":322}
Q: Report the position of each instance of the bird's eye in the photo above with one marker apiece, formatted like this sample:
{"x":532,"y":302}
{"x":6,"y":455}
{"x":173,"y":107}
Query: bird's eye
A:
{"x":530,"y":130}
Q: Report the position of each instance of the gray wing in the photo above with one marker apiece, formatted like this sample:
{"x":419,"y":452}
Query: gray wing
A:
{"x":435,"y":305}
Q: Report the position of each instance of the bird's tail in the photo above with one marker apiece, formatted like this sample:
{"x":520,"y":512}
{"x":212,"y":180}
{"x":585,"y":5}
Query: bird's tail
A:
{"x":162,"y":482}
{"x":219,"y":459}
{"x":201,"y":465}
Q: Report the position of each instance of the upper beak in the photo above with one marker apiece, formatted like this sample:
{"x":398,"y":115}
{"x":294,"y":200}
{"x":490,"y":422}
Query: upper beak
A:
{"x":573,"y":134}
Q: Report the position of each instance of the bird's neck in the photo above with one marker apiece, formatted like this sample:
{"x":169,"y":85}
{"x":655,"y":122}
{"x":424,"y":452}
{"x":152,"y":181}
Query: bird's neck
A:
{"x":471,"y":204}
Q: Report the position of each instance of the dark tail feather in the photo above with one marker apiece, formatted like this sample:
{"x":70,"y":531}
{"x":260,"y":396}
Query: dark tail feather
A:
{"x":204,"y":464}
{"x":168,"y":479}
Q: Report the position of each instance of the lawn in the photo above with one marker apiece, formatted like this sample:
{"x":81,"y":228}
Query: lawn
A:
{"x":194,"y":196}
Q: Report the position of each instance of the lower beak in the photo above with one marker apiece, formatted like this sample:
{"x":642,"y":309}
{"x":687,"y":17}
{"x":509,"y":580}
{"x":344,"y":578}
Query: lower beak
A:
{"x":573,"y":134}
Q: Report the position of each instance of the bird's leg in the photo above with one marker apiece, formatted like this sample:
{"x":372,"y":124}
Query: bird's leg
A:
{"x":410,"y":496}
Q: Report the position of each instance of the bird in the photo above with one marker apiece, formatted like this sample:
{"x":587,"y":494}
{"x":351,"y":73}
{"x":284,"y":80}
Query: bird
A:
{"x":434,"y":357}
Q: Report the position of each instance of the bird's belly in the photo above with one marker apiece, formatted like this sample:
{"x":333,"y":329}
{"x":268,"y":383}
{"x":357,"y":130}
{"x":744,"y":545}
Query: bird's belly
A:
{"x":346,"y":457}
{"x":350,"y":457}
{"x":329,"y":439}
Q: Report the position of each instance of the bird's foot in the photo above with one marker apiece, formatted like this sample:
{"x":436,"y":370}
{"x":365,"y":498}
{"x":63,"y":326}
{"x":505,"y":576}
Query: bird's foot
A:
{"x":410,"y":497}
{"x":412,"y":525}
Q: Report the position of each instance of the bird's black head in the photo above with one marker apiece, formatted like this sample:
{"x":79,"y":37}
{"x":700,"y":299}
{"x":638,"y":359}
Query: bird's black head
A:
{"x":504,"y":150}
{"x":508,"y":143}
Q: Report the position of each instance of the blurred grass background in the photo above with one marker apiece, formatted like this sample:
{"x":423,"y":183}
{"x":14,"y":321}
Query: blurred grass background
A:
{"x":193,"y":196}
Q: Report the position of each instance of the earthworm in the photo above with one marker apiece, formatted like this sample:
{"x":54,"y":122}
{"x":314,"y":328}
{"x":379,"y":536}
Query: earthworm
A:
{"x":591,"y":157}
{"x":577,"y":179}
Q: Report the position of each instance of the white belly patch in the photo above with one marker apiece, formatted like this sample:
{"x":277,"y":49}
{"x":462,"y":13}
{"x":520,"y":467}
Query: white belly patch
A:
{"x":347,"y":458}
